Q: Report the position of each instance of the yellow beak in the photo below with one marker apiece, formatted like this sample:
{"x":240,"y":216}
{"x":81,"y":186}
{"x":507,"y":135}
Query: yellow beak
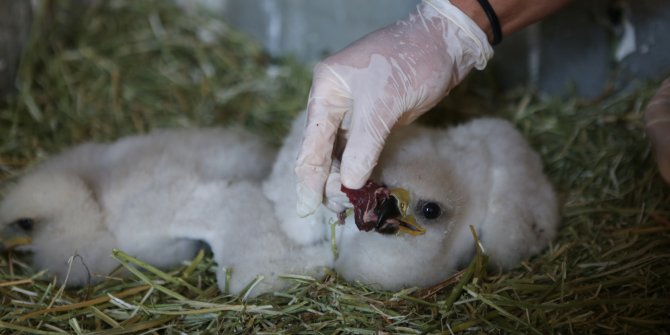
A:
{"x":408,"y":223}
{"x":11,"y":236}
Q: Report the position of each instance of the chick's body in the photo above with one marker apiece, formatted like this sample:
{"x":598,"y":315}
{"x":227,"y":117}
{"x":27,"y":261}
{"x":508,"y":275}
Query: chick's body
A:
{"x":158,"y":196}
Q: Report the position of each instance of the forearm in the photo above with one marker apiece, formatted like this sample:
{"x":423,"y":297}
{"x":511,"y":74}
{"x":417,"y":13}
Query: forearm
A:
{"x":512,"y":14}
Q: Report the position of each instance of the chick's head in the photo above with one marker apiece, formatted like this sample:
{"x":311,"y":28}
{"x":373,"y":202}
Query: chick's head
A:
{"x":481,"y":175}
{"x":430,"y":200}
{"x":43,"y":207}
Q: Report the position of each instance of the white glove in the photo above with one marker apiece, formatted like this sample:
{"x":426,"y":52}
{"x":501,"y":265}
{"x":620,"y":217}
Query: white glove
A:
{"x":389,"y":77}
{"x":657,"y":119}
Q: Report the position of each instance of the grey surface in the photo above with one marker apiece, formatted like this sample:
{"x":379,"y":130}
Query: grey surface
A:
{"x":14,"y":30}
{"x":576,"y":49}
{"x":571,"y":51}
{"x":311,"y":29}
{"x":652,"y":58}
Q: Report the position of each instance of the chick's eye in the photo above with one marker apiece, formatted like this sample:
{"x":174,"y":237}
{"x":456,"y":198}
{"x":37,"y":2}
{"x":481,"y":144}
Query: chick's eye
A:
{"x":25,"y":223}
{"x":431,"y":210}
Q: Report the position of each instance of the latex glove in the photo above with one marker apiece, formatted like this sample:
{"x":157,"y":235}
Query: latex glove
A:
{"x":388,"y":78}
{"x":657,"y":119}
{"x":336,"y":200}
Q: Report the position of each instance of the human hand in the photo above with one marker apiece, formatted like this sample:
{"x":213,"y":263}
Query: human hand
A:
{"x":388,"y":78}
{"x":657,"y":119}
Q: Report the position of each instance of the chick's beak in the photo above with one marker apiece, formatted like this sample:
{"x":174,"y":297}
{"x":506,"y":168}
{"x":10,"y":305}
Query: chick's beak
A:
{"x":12,"y":236}
{"x":393,"y":216}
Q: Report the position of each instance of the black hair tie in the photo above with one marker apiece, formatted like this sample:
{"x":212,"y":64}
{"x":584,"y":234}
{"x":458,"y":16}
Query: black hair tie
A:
{"x":493,"y":19}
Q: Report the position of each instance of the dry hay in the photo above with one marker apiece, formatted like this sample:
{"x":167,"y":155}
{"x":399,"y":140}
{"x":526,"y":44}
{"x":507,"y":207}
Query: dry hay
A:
{"x":129,"y":66}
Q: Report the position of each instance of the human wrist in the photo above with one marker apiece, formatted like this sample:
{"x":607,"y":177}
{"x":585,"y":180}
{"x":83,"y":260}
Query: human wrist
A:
{"x":472,"y":9}
{"x":513,"y":15}
{"x":459,"y":28}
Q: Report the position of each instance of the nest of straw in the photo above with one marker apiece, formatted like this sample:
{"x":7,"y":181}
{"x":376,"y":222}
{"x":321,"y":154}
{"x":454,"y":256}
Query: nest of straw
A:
{"x":127,"y":66}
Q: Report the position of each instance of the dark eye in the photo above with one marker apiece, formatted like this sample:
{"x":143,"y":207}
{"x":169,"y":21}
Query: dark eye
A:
{"x":25,"y":224}
{"x":431,"y":210}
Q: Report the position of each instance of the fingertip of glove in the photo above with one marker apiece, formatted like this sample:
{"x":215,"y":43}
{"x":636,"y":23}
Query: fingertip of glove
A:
{"x":353,"y":183}
{"x":308,"y":201}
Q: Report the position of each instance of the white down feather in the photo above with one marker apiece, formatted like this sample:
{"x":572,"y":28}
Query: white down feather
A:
{"x":160,"y":196}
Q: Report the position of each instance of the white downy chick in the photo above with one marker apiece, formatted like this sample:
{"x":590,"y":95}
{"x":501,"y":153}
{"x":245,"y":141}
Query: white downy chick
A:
{"x":139,"y":194}
{"x":481,"y":174}
{"x":157,"y":196}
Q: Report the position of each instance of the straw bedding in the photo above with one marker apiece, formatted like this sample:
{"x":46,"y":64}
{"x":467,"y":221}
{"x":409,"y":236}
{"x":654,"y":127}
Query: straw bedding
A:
{"x":125,"y":67}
